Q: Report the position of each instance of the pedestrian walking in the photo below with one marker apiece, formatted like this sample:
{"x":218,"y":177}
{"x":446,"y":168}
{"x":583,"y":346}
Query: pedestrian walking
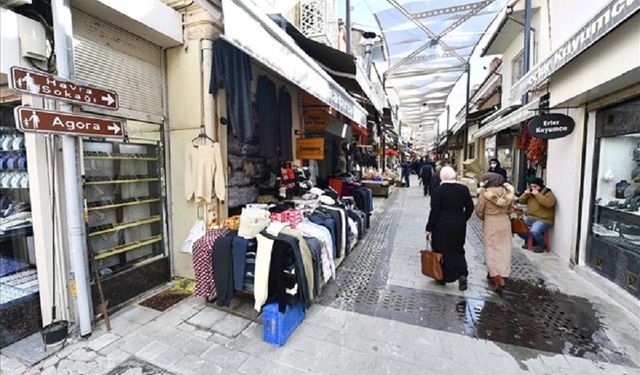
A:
{"x":451,"y":207}
{"x":495,"y":203}
{"x":406,"y":172}
{"x":426,"y":171}
{"x":496,"y":167}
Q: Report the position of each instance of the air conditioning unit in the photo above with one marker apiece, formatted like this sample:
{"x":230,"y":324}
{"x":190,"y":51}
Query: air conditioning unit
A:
{"x":33,"y":39}
{"x":14,"y":3}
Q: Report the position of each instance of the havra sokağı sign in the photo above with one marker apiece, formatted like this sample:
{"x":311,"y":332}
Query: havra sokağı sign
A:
{"x":551,"y":126}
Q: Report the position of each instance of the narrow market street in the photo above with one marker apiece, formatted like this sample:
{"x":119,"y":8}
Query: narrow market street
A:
{"x":380,"y":316}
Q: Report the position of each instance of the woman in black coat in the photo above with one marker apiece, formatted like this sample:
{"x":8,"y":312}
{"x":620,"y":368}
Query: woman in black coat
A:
{"x":451,"y":207}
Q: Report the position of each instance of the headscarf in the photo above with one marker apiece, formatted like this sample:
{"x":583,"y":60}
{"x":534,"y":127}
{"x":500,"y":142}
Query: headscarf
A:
{"x":492,"y":180}
{"x":447,"y":174}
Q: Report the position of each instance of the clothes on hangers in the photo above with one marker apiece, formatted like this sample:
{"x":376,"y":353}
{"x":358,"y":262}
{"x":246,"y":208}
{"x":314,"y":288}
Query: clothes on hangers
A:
{"x":204,"y":172}
{"x":203,"y":262}
{"x":232,"y":68}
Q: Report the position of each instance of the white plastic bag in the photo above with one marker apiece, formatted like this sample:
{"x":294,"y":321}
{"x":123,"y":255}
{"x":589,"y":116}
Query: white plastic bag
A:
{"x":197,"y":231}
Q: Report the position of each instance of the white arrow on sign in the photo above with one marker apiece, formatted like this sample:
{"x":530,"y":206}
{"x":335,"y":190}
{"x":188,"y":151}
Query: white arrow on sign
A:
{"x":109,"y":99}
{"x":114,"y":127}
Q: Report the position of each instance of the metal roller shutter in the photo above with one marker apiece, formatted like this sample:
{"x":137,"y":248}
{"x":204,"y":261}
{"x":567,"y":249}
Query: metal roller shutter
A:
{"x":109,"y":56}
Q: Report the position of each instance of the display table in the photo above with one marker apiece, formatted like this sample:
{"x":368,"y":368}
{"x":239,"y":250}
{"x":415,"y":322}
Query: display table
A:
{"x":379,"y":188}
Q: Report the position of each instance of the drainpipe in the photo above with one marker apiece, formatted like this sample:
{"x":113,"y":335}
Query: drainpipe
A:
{"x":208,"y":100}
{"x":63,"y":38}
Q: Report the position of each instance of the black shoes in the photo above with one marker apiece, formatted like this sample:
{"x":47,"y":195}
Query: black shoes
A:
{"x":538,"y":249}
{"x":525,"y":246}
{"x":462,"y":283}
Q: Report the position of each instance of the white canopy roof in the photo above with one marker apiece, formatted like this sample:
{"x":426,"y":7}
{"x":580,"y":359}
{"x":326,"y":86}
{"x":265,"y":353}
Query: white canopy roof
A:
{"x":429,"y":44}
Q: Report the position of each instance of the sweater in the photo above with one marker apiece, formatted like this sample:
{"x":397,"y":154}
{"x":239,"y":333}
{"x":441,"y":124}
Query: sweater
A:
{"x":204,"y":169}
{"x":541,"y":206}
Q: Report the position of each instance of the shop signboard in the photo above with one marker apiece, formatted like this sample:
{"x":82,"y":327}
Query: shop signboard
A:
{"x":315,"y":120}
{"x":34,"y":120}
{"x":31,"y":82}
{"x":603,"y":22}
{"x":551,"y":126}
{"x":310,"y":148}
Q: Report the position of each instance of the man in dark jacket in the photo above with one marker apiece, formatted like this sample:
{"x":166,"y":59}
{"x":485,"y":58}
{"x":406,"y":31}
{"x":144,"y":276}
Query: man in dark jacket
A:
{"x":426,"y":171}
{"x":495,"y":167}
{"x":406,"y":172}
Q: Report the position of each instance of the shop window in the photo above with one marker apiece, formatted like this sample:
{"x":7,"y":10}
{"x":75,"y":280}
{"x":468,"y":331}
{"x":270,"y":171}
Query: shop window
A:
{"x":615,"y":228}
{"x":19,"y":294}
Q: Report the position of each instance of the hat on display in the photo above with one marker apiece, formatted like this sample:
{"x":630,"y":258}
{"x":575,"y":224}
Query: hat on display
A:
{"x":316,"y":191}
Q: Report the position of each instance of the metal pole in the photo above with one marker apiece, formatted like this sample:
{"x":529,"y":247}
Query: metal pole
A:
{"x":526,"y":57}
{"x":526,"y":53}
{"x":348,"y":25}
{"x":465,"y":141}
{"x":64,"y":63}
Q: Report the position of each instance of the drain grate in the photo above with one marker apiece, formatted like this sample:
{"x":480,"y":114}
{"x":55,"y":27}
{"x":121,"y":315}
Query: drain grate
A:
{"x":528,"y":314}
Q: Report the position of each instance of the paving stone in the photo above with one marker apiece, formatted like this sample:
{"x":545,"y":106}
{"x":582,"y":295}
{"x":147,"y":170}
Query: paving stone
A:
{"x":225,"y":357}
{"x":206,"y":318}
{"x":168,"y":357}
{"x":102,"y":340}
{"x":198,"y":346}
{"x":255,"y":366}
{"x":135,"y":343}
{"x":231,"y":325}
{"x":118,"y":355}
{"x":152,"y":350}
{"x":50,"y":370}
{"x":83,"y":355}
{"x":139,"y":314}
{"x":188,"y":364}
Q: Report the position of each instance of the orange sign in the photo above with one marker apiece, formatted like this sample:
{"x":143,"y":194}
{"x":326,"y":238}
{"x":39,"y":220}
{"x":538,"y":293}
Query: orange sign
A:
{"x":315,"y":119}
{"x":310,"y":148}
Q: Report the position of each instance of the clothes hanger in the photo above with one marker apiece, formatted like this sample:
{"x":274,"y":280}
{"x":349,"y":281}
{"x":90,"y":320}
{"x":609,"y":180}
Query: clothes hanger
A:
{"x":202,"y":136}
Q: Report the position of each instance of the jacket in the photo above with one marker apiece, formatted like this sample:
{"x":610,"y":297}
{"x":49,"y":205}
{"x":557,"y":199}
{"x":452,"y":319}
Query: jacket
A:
{"x":541,"y":206}
{"x":495,"y":201}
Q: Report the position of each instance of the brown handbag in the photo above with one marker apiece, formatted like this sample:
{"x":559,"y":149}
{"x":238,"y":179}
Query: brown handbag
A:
{"x":518,"y":226}
{"x":432,"y":264}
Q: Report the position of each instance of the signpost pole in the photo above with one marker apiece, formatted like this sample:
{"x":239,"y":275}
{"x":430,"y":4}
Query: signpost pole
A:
{"x":64,"y":63}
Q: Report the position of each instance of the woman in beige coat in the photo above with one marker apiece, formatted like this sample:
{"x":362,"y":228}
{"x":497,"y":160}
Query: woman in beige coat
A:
{"x":495,"y":202}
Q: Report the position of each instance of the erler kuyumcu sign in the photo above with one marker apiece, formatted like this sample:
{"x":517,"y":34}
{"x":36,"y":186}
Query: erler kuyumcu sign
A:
{"x":551,"y":126}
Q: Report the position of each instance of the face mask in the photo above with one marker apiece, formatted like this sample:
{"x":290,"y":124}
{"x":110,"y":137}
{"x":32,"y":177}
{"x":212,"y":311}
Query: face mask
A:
{"x":493,"y":165}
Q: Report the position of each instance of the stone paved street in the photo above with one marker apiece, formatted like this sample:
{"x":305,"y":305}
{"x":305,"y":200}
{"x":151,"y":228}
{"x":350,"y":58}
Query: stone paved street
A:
{"x":380,"y":317}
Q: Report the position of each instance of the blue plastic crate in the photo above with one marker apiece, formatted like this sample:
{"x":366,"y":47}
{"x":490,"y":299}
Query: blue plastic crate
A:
{"x":277,"y":327}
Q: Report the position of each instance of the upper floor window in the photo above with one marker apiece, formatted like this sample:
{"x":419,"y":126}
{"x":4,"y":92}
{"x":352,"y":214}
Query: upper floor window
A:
{"x":517,"y":68}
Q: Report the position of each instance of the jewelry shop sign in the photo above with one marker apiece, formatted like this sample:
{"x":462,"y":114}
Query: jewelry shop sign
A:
{"x":551,"y":126}
{"x":600,"y":25}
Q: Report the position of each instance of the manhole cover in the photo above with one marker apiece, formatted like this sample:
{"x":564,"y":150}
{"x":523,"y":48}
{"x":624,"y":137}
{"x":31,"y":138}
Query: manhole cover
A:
{"x":135,"y":366}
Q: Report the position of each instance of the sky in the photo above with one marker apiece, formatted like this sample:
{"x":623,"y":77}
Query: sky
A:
{"x":362,"y":15}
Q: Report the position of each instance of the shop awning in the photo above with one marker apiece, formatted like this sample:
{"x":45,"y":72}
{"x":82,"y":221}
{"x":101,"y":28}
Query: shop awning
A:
{"x":429,"y":44}
{"x":341,"y":66}
{"x":253,"y":32}
{"x":521,"y":114}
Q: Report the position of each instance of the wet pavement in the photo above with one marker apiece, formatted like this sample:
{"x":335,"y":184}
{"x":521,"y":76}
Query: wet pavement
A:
{"x":380,"y":316}
{"x":528,"y":313}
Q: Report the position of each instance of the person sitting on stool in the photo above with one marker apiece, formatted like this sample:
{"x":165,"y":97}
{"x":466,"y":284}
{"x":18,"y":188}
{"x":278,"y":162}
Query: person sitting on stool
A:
{"x":541,"y":203}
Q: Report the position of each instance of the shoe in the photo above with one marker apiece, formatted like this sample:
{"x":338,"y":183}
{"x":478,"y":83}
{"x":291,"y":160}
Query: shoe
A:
{"x":462,"y":283}
{"x":441,"y":282}
{"x":525,"y":246}
{"x":538,"y":249}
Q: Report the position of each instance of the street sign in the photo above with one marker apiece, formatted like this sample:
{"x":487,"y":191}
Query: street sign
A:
{"x":32,"y":82}
{"x":40,"y":121}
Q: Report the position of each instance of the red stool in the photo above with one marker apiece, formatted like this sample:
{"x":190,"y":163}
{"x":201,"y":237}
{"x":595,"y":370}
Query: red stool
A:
{"x":547,"y":239}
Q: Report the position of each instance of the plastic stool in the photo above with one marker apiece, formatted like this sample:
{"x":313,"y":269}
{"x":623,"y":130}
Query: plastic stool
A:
{"x":547,"y":239}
